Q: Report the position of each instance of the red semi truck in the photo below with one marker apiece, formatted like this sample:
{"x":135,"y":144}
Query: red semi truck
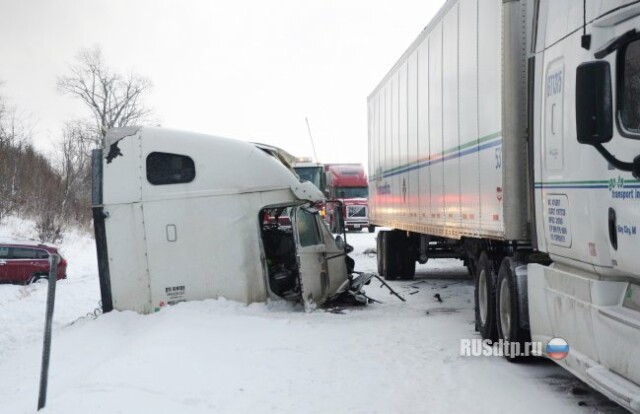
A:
{"x":348,"y":183}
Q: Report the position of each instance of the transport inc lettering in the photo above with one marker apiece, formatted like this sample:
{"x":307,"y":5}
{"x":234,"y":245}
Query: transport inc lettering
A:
{"x":625,"y":194}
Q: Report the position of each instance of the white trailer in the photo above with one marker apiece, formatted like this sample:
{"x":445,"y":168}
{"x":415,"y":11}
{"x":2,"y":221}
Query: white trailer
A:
{"x":183,"y":216}
{"x":486,"y":144}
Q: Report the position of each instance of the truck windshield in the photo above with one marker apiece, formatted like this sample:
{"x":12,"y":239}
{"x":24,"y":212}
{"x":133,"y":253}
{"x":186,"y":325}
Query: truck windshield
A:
{"x":352,"y":192}
{"x":313,"y":174}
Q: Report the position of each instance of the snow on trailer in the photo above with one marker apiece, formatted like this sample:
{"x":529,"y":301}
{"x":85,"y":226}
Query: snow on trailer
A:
{"x":183,"y":216}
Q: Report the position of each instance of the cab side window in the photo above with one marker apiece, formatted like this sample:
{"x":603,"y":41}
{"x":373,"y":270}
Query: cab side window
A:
{"x":308,"y":232}
{"x":164,"y":168}
{"x":629,"y":89}
{"x":4,"y":252}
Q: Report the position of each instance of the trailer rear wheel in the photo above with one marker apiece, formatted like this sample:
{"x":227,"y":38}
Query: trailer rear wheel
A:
{"x":396,"y":259}
{"x":485,"y":298}
{"x":507,"y":309}
{"x":385,"y":266}
{"x":379,"y":253}
{"x":406,"y":259}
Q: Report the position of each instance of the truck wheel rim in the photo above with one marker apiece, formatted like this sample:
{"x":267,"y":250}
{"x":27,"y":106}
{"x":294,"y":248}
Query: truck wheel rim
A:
{"x":482,"y":296}
{"x":505,"y":309}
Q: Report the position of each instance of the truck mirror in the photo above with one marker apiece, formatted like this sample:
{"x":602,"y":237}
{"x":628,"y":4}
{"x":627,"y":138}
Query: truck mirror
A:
{"x":340,"y":243}
{"x":336,"y":220}
{"x":594,"y":108}
{"x":339,"y":218}
{"x":594,"y":112}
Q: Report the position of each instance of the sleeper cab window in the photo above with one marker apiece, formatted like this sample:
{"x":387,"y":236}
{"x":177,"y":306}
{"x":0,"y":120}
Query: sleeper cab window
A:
{"x":164,"y":168}
{"x":629,"y":89}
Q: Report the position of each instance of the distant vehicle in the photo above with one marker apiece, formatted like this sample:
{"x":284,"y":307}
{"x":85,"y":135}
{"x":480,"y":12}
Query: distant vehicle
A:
{"x":348,"y":183}
{"x":182,"y":216}
{"x":27,"y":263}
{"x":311,"y":171}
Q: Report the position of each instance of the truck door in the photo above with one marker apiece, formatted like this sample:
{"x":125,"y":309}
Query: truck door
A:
{"x":619,"y":214}
{"x":314,"y":277}
{"x":334,"y":258}
{"x":556,"y":201}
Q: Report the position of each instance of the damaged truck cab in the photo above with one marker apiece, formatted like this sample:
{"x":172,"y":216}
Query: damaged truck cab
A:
{"x":183,"y":216}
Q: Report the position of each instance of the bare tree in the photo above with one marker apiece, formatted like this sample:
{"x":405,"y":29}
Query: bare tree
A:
{"x":75,"y":170}
{"x":30,"y":186}
{"x":114,"y":99}
{"x":9,"y":195}
{"x":12,"y":141}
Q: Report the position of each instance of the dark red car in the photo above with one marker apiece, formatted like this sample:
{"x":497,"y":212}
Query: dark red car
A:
{"x":26,"y":263}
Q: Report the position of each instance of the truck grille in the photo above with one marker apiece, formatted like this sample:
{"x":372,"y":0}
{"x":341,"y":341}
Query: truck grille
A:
{"x":356,"y":211}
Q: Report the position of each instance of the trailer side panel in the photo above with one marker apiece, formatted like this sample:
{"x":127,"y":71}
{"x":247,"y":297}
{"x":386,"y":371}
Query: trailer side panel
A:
{"x":436,"y":129}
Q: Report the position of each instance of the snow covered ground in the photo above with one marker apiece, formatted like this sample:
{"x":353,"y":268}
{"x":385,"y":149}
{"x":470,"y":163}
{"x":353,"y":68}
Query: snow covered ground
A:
{"x":223,"y":357}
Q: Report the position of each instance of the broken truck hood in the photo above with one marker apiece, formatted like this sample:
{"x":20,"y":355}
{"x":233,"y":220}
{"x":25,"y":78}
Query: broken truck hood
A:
{"x":307,"y":191}
{"x":115,"y":135}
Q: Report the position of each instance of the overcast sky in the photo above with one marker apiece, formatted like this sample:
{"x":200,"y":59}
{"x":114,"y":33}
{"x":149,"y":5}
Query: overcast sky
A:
{"x":250,"y":70}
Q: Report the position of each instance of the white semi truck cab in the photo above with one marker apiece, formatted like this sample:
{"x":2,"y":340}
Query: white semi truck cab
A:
{"x":508,"y":135}
{"x":182,"y":216}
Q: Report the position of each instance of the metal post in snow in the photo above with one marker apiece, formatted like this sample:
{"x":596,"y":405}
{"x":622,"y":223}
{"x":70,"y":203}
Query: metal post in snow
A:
{"x":54,"y":260}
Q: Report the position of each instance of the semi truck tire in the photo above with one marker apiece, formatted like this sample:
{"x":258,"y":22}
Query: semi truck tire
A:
{"x":385,"y":265}
{"x":379,"y":253}
{"x":371,"y":228}
{"x":508,"y":321}
{"x":405,"y":256}
{"x":408,"y":270}
{"x":395,"y":257}
{"x":485,"y":298}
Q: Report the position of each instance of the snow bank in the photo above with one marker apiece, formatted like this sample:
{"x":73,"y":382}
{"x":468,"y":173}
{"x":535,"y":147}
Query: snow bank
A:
{"x":224,"y":357}
{"x":22,"y":307}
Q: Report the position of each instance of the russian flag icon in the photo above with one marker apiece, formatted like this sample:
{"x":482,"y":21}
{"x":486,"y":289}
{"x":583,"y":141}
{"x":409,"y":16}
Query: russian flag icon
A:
{"x":557,"y":349}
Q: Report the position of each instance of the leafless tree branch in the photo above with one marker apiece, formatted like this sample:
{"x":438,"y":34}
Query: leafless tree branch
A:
{"x":113,"y":99}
